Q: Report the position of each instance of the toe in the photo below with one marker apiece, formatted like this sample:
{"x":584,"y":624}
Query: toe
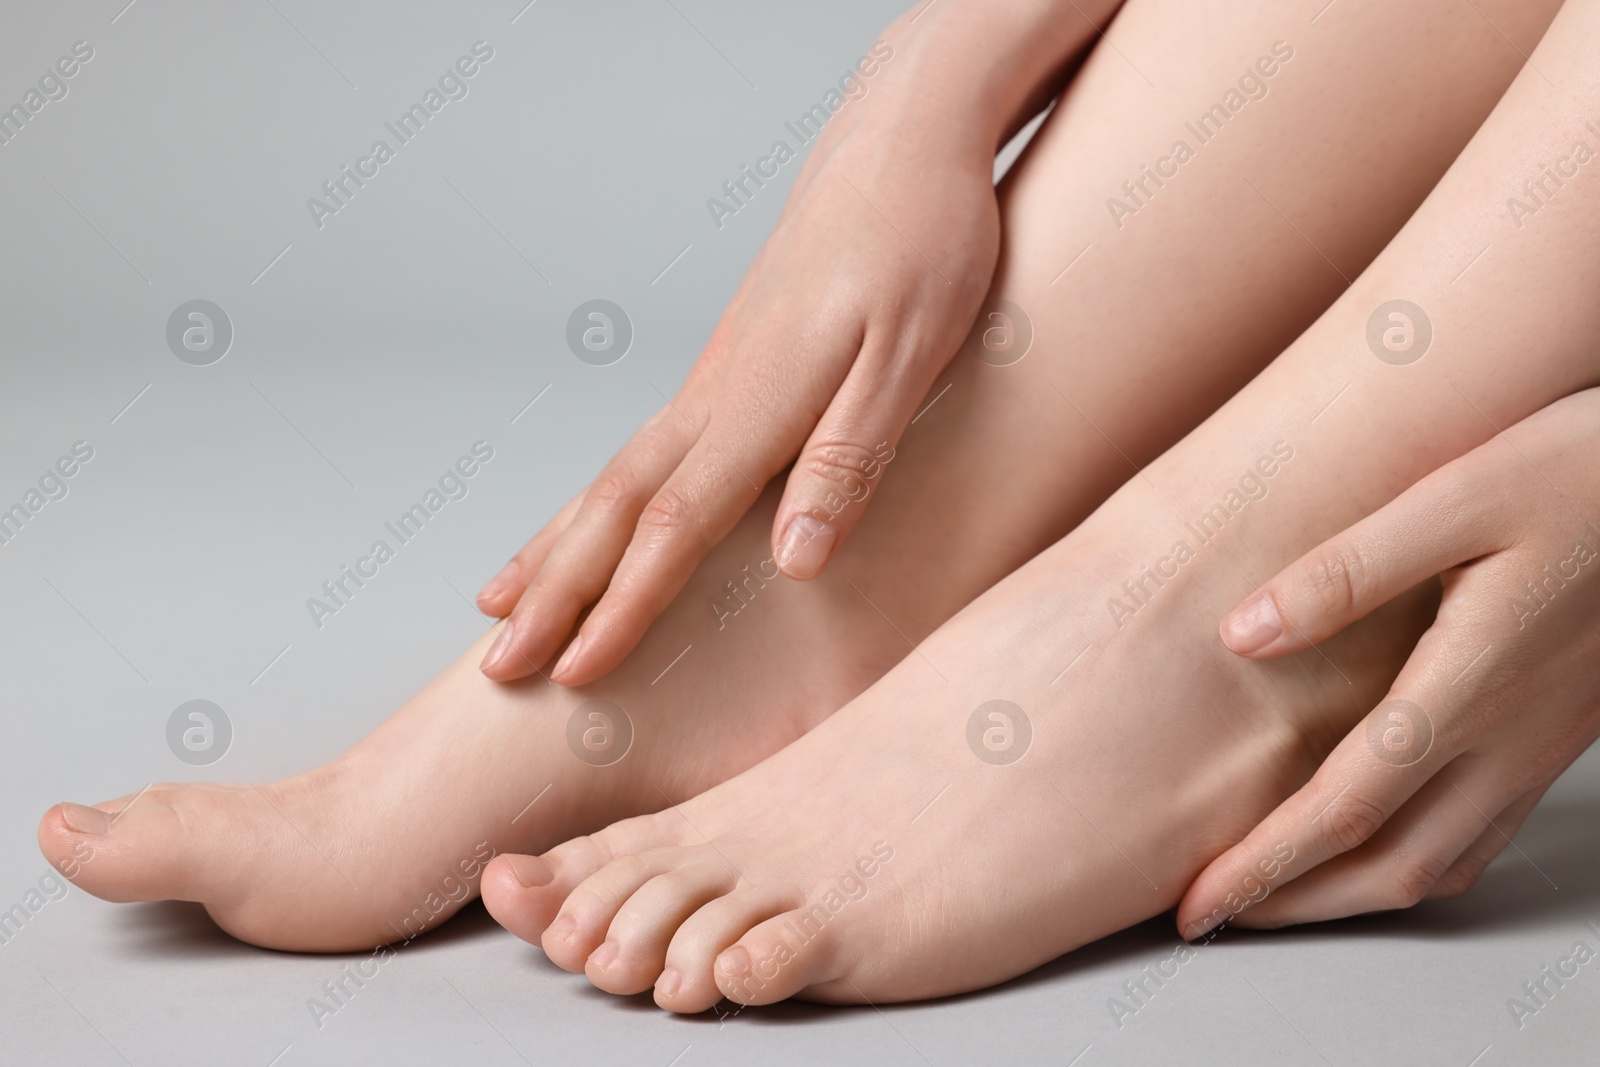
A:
{"x":687,"y":983}
{"x":524,"y":893}
{"x":780,"y":957}
{"x":525,"y":897}
{"x":643,"y":927}
{"x":516,"y":893}
{"x":139,"y":849}
{"x":585,"y":916}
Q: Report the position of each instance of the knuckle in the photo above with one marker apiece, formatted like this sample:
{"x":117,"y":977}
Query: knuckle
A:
{"x":1351,"y":820}
{"x":1333,"y":578}
{"x":668,"y":512}
{"x":1412,"y":880}
{"x":1458,"y":879}
{"x":615,"y":490}
{"x":841,"y":465}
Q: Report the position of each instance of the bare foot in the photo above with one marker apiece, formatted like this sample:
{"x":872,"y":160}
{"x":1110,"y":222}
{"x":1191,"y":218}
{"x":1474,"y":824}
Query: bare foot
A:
{"x":1043,"y":771}
{"x":892,"y":853}
{"x":389,"y":838}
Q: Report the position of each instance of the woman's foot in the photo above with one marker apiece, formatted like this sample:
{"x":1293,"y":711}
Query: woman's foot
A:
{"x":1045,"y":770}
{"x":390,"y":838}
{"x":1168,"y":317}
{"x":1064,"y":756}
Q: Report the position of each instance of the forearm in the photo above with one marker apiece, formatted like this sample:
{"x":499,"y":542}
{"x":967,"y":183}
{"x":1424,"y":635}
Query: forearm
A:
{"x":1477,"y":315}
{"x":983,"y":68}
{"x":962,"y":76}
{"x":1500,"y":261}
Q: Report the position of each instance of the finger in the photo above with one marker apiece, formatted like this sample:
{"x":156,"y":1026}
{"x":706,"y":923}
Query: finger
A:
{"x":697,"y":507}
{"x":1404,"y":862}
{"x":828,"y":489}
{"x":1470,"y":865}
{"x":1443,"y":520}
{"x":734,"y":454}
{"x":584,"y":557}
{"x":500,"y":593}
{"x":1375,"y":769}
{"x":1399,"y":746}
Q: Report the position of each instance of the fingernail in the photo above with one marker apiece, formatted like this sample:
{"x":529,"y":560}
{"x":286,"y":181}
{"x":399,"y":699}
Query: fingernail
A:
{"x":499,"y":582}
{"x":734,"y":961}
{"x":804,"y":550}
{"x":1252,"y":626}
{"x":531,"y":871}
{"x":601,"y":957}
{"x":569,"y":657}
{"x":669,"y":983}
{"x":82,"y":820}
{"x":1202,"y":927}
{"x":497,"y":651}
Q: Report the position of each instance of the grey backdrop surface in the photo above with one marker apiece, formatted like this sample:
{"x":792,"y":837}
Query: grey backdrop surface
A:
{"x":370,"y":352}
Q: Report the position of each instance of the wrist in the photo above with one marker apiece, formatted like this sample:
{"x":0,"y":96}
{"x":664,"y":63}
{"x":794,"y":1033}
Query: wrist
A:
{"x":971,"y":72}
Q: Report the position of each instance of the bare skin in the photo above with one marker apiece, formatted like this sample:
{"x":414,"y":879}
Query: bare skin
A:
{"x":826,"y":351}
{"x":955,"y":869}
{"x":883,"y":857}
{"x":1183,"y":304}
{"x":1512,"y":527}
{"x":830,"y":344}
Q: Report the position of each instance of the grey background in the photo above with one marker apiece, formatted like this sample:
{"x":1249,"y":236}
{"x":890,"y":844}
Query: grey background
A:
{"x":365,"y":360}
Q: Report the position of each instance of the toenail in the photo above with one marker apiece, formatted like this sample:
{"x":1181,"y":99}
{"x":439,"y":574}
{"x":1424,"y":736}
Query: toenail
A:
{"x":735,"y":961}
{"x":531,"y":871}
{"x":603,"y":956}
{"x":562,"y":929}
{"x":82,"y":820}
{"x":669,"y":982}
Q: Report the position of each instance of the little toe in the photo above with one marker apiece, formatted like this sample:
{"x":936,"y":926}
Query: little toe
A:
{"x":687,"y":983}
{"x":780,"y":957}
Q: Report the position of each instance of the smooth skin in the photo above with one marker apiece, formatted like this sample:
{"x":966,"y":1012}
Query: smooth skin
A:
{"x":1154,"y":327}
{"x":866,"y":288}
{"x":1440,"y":790}
{"x":1161,"y":748}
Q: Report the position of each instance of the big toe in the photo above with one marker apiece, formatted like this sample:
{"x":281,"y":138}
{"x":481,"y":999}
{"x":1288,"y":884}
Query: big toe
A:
{"x":152,"y":846}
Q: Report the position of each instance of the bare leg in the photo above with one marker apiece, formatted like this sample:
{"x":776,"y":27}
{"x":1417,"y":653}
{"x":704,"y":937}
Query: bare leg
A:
{"x":1153,"y":326}
{"x":1065,"y":755}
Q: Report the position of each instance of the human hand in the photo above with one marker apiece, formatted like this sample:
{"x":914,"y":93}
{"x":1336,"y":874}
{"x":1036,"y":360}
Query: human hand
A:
{"x":1500,"y":695}
{"x":864,"y":291}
